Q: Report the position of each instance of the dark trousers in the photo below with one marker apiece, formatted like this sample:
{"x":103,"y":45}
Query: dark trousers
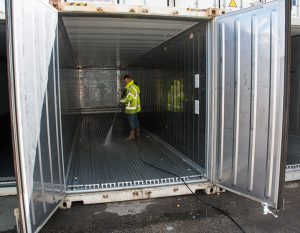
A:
{"x":133,"y":121}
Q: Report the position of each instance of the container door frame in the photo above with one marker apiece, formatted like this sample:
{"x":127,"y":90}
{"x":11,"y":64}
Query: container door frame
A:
{"x":226,"y":169}
{"x":36,"y":124}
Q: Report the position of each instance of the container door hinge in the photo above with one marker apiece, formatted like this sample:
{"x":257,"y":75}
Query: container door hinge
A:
{"x":17,"y":217}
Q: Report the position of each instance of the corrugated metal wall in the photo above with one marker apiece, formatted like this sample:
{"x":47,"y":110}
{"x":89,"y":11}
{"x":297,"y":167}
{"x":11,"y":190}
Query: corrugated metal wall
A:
{"x":98,"y":89}
{"x":4,"y":106}
{"x":4,"y":102}
{"x":166,"y":76}
{"x":294,"y":120}
{"x":250,"y":69}
{"x":69,"y":94}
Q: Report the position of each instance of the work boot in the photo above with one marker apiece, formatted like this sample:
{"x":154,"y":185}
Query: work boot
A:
{"x":131,"y":135}
{"x":137,"y":132}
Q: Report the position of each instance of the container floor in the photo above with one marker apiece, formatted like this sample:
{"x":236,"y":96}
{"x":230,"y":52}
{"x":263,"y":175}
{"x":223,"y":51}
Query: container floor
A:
{"x":6,"y":154}
{"x":119,"y":165}
{"x":293,"y":157}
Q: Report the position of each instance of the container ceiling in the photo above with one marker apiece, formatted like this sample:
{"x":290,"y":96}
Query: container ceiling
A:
{"x":113,"y":42}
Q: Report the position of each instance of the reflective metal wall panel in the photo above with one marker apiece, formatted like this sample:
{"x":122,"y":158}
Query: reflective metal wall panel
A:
{"x":98,"y":88}
{"x":250,"y":70}
{"x":293,"y":158}
{"x":69,"y":90}
{"x":4,"y":101}
{"x":294,"y":120}
{"x":3,"y":39}
{"x":172,"y":79}
{"x":34,"y":83}
{"x":69,"y":93}
{"x":4,"y":106}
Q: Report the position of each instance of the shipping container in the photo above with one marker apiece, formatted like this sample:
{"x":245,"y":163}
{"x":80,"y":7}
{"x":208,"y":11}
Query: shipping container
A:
{"x":214,"y":94}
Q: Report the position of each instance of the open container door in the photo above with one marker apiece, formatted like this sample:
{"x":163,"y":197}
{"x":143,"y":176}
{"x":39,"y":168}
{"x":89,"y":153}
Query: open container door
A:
{"x":34,"y":99}
{"x":250,"y":58}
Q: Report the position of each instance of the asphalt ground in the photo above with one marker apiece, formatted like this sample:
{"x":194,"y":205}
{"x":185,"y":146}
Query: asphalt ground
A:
{"x":180,"y":214}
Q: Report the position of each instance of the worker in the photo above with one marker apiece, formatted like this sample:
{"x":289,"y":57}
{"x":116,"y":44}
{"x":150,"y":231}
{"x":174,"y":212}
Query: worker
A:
{"x":132,"y":106}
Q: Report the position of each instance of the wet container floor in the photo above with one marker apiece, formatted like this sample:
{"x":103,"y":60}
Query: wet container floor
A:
{"x":94,"y":166}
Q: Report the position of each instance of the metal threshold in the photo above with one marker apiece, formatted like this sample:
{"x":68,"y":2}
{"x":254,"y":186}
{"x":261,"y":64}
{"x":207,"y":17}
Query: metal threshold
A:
{"x":135,"y":193}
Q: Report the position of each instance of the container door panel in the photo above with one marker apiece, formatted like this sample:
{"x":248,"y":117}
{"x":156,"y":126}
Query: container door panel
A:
{"x":34,"y":76}
{"x":250,"y":62}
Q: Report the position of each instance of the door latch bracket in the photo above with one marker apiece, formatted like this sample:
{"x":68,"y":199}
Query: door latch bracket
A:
{"x":267,"y":211}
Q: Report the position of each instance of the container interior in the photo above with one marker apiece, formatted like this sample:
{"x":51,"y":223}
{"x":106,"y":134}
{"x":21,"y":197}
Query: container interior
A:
{"x":7,"y":176}
{"x":167,"y":59}
{"x":293,"y":159}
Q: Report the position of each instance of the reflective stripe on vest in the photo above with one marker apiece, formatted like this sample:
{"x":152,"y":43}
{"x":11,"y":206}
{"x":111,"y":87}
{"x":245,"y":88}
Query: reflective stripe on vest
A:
{"x":136,"y":93}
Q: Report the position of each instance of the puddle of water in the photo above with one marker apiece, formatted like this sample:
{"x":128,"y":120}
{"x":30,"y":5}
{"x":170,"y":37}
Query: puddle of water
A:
{"x":170,"y":228}
{"x":292,"y":186}
{"x":127,"y":208}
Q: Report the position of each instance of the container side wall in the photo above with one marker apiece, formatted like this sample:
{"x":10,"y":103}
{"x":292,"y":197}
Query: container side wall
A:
{"x":69,"y":87}
{"x":4,"y":107}
{"x":293,"y":155}
{"x":294,"y":115}
{"x":172,"y":79}
{"x":6,"y":155}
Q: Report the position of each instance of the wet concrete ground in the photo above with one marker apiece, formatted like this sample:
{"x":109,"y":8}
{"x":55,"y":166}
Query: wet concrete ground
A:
{"x":179,"y":214}
{"x":7,"y":217}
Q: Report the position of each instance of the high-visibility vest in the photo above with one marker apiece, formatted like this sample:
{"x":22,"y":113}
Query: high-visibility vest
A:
{"x":132,"y":100}
{"x":176,"y":98}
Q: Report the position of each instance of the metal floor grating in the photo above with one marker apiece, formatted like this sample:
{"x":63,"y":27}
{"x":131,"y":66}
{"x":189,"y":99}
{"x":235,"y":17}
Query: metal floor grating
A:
{"x":118,"y":166}
{"x":293,"y":158}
